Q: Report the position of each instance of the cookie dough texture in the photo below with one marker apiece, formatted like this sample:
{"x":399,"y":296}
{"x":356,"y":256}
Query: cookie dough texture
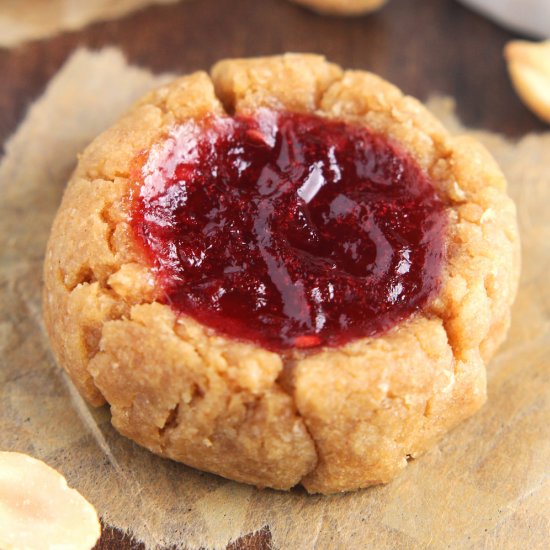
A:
{"x":342,"y":7}
{"x":334,"y":420}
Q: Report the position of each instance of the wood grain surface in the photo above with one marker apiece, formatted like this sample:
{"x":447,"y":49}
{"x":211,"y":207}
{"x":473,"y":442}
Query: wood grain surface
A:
{"x":423,"y":46}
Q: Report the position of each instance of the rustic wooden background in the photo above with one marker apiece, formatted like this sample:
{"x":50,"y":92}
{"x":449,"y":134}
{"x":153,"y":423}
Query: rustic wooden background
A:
{"x":423,"y":46}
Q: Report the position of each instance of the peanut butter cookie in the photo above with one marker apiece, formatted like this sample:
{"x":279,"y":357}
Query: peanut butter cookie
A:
{"x":282,"y":272}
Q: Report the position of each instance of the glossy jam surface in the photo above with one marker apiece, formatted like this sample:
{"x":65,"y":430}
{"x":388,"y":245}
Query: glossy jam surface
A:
{"x":288,"y":230}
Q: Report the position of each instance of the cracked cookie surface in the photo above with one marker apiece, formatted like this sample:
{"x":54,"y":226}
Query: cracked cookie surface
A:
{"x":335,"y":419}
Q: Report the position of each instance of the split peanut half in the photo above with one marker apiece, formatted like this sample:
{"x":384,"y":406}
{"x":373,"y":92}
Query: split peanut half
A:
{"x":39,"y":511}
{"x":529,"y":68}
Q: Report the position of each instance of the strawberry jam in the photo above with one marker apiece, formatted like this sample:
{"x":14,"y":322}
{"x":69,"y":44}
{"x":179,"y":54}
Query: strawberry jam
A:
{"x":288,"y":230}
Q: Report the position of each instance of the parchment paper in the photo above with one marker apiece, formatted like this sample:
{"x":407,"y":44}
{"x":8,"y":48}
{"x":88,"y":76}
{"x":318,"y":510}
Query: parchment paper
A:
{"x":22,"y":20}
{"x":484,"y":486}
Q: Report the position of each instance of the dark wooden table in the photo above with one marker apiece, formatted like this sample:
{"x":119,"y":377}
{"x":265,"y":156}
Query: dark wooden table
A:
{"x":423,"y":46}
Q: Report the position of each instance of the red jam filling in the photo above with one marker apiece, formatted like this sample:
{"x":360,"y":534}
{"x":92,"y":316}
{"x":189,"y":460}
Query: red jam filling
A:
{"x":288,"y":230}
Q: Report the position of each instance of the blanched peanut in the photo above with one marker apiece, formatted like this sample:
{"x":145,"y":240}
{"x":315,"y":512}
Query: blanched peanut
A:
{"x":529,"y":68}
{"x":38,"y":511}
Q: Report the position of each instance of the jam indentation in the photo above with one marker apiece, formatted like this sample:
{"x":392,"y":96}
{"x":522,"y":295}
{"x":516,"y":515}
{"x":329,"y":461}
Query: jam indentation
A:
{"x":288,"y":230}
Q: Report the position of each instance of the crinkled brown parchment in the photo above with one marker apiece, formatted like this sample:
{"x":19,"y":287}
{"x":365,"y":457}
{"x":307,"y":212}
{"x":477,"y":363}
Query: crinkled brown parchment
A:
{"x":22,"y":20}
{"x":486,"y":485}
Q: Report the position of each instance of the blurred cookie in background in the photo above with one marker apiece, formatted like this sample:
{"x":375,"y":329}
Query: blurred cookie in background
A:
{"x":24,"y":20}
{"x":342,"y":7}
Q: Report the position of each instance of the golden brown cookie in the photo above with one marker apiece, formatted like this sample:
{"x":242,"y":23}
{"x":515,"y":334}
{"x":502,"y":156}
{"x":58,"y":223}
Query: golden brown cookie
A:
{"x":343,"y":7}
{"x":334,"y":418}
